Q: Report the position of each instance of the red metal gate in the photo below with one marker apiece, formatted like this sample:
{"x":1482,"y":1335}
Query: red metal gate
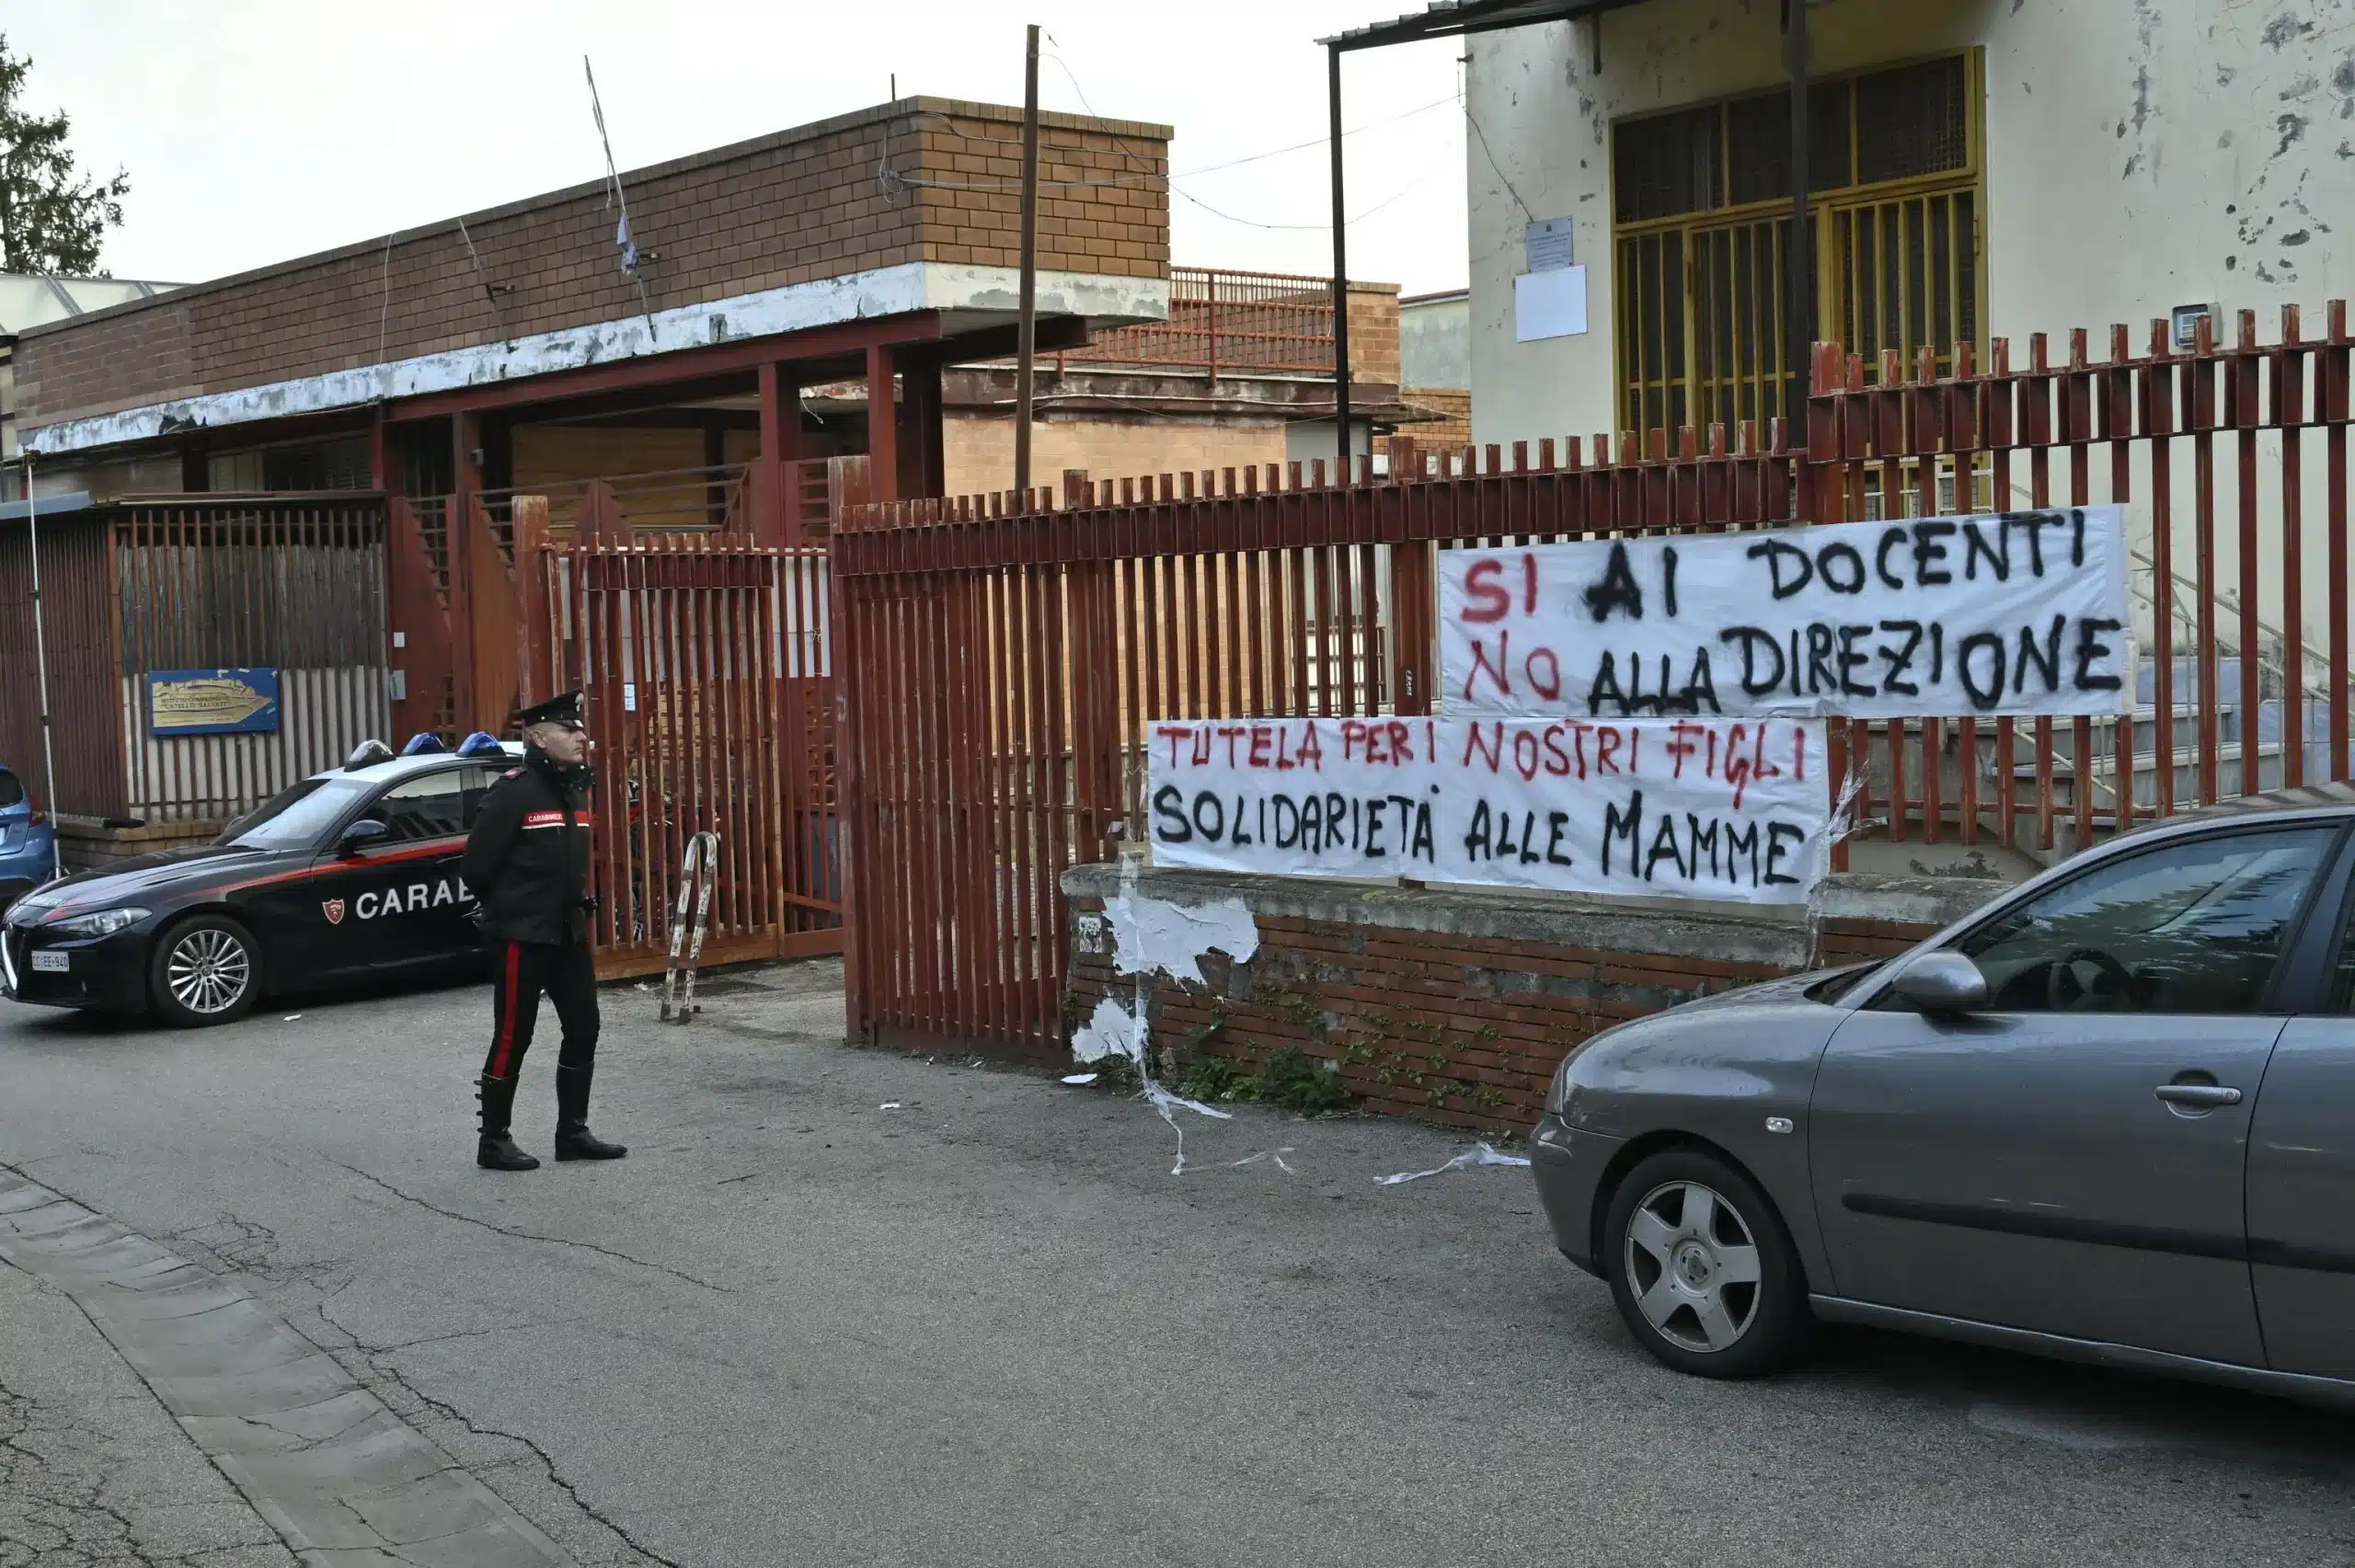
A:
{"x":711,"y":705}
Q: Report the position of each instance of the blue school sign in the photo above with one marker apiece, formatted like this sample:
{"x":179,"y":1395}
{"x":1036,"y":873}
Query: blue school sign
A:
{"x":212,"y":701}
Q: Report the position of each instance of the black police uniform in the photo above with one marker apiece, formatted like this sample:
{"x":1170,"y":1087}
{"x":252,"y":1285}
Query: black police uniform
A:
{"x":527,"y":861}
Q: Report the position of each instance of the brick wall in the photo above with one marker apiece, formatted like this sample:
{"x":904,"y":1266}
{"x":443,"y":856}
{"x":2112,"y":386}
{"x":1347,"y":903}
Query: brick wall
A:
{"x":980,"y":449}
{"x":1373,"y":332}
{"x":1455,"y":1006}
{"x":1452,"y":431}
{"x":789,"y":208}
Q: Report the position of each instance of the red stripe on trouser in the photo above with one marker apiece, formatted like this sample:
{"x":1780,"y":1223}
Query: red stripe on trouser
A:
{"x":507,"y":1014}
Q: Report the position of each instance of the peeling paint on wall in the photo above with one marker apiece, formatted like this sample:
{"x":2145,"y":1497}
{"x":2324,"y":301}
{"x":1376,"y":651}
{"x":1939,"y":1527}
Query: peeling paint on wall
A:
{"x":1153,"y":937}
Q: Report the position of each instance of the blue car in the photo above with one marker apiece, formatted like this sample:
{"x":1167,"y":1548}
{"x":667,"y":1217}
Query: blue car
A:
{"x":28,"y":843}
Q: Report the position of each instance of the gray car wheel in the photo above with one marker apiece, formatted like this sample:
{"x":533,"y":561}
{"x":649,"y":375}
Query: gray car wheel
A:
{"x":1701,"y":1268}
{"x":206,"y":970}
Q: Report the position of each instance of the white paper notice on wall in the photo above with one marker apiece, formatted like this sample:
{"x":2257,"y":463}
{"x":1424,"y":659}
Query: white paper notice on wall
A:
{"x":1693,"y":809}
{"x":2019,"y":612}
{"x":1549,"y":304}
{"x":629,"y":696}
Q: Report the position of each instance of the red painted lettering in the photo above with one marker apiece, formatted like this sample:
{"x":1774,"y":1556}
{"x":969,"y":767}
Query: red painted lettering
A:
{"x":1497,"y":671}
{"x":1488,"y":600}
{"x":1489,"y":746}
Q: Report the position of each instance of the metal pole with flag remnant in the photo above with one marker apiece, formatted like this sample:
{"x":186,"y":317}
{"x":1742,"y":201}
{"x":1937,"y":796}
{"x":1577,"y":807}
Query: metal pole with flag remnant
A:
{"x":40,"y":661}
{"x":1026,"y":353}
{"x":625,"y":240}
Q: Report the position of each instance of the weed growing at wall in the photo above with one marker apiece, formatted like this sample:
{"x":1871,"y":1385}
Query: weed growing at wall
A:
{"x":1423,"y":1056}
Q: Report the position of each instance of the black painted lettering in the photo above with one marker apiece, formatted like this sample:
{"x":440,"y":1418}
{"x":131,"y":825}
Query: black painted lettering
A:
{"x":1851,"y":660}
{"x":1819,"y":678}
{"x":1741,"y":838}
{"x":1851,"y":577}
{"x":1169,"y":824}
{"x":1778,"y":555}
{"x":1983,"y":698}
{"x":1702,"y":837}
{"x":1556,"y":823}
{"x":1214,"y":829}
{"x":1629,"y":827}
{"x":1928,"y":550}
{"x":1606,"y":688}
{"x":2090,"y":646}
{"x":1478,"y":841}
{"x":1753,"y":638}
{"x":1668,"y":577}
{"x":1699,"y":687}
{"x":2035,"y":523}
{"x":1617,"y":590}
{"x":2047,"y":658}
{"x":1900,"y":660}
{"x":1976,"y":549}
{"x":1891,"y":539}
{"x":1784,"y":838}
{"x":1664,"y":844}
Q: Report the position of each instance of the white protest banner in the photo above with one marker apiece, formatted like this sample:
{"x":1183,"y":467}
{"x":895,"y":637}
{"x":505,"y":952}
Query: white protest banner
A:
{"x":2018,"y":613}
{"x":1697,"y":809}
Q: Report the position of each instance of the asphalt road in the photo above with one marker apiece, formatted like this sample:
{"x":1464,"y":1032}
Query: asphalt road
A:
{"x":989,"y":1327}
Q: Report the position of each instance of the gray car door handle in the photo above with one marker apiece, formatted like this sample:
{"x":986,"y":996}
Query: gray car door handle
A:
{"x":2204,"y":1095}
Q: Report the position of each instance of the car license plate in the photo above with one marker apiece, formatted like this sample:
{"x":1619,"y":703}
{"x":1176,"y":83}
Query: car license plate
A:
{"x":53,"y":963}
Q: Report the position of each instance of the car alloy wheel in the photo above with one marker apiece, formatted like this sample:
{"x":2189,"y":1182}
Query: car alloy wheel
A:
{"x":1693,"y":1268}
{"x":208,"y":971}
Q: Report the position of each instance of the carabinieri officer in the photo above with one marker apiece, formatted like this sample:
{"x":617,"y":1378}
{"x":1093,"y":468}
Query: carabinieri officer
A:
{"x":527,"y":859}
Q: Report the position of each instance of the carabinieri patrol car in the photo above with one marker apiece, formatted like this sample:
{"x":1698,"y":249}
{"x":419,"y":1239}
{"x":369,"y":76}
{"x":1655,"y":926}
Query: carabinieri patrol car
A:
{"x":349,"y":874}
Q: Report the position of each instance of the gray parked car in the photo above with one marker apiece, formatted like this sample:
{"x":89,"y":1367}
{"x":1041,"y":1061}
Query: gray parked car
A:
{"x":2110,"y":1117}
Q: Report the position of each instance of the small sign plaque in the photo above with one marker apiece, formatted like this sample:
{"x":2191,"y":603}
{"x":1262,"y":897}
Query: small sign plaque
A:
{"x":212,"y":702}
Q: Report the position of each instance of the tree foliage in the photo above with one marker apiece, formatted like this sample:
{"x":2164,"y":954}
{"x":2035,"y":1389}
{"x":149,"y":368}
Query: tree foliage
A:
{"x":53,"y":218}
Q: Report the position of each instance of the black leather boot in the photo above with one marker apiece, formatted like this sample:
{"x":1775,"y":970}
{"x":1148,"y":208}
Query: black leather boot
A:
{"x":573,"y":1138}
{"x":497,"y":1152}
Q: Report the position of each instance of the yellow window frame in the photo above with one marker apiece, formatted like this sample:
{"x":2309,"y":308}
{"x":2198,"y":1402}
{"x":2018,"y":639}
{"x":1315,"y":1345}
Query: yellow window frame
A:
{"x":1700,"y":298}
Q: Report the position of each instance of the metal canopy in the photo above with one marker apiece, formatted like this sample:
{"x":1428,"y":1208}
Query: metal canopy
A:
{"x":1458,"y":18}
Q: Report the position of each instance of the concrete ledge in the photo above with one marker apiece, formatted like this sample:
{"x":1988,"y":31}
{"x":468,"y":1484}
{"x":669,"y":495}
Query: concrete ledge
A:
{"x":1777,"y":934}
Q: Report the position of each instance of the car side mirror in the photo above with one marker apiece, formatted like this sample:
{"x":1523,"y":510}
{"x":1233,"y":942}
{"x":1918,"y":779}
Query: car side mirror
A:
{"x":1943,"y":981}
{"x":365,"y":831}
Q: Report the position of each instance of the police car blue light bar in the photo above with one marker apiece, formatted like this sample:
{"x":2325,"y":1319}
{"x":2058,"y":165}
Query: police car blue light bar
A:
{"x":481,"y":743}
{"x":423,"y":743}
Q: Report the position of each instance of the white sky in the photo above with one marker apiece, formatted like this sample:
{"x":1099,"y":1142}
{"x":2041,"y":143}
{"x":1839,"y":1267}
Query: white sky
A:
{"x":256,"y":131}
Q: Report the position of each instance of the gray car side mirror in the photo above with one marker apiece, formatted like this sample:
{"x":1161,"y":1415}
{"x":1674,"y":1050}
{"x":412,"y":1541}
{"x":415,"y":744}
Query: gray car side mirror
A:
{"x":1943,"y":981}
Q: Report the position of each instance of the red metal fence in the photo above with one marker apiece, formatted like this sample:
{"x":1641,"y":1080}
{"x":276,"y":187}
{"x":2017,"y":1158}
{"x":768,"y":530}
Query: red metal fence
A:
{"x":1230,"y":321}
{"x":1007,"y":652}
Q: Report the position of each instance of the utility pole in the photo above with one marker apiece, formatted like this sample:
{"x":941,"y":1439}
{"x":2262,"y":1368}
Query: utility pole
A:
{"x":1340,"y":265}
{"x":1026,"y":331}
{"x":1801,"y":335}
{"x":40,"y":660}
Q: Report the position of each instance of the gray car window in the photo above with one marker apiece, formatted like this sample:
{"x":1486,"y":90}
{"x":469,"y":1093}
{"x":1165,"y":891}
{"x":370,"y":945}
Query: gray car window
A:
{"x":2342,"y":982}
{"x":431,"y":807}
{"x":2192,"y":926}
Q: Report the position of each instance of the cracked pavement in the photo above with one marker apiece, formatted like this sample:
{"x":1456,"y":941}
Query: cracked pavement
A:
{"x":988,"y":1327}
